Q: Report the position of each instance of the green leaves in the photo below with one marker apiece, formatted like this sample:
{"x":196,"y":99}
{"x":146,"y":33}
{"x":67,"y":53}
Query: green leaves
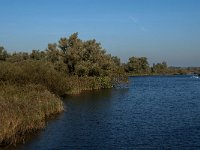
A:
{"x":3,"y":54}
{"x":138,"y":65}
{"x":70,"y":57}
{"x":84,"y":58}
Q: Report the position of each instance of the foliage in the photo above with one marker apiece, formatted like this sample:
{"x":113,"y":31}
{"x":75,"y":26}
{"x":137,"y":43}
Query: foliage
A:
{"x":3,"y":54}
{"x":24,"y":109}
{"x":160,"y":68}
{"x":34,"y":72}
{"x":84,"y":58}
{"x":18,"y":57}
{"x":138,"y":65}
{"x":61,"y":64}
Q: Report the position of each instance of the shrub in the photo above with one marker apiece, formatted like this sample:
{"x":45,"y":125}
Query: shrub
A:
{"x":34,"y":72}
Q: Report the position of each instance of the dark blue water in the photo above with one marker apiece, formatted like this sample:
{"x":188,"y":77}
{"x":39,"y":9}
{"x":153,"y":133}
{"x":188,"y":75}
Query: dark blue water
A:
{"x":161,"y":112}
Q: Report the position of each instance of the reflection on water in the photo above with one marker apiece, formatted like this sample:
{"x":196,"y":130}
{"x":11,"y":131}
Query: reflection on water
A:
{"x":153,"y":113}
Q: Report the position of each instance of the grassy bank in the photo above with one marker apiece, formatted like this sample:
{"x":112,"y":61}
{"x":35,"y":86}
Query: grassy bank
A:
{"x":24,"y":109}
{"x":79,"y":84}
{"x":31,"y":83}
{"x":29,"y":93}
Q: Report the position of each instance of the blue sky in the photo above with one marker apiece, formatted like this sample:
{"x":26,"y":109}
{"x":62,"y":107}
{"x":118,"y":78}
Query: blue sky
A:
{"x":166,"y":30}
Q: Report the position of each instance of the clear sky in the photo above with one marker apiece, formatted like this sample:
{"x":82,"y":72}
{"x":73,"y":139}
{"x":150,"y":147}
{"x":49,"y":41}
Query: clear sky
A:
{"x":166,"y":30}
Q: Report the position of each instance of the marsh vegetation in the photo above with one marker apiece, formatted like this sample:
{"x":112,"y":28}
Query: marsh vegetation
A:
{"x":31,"y":84}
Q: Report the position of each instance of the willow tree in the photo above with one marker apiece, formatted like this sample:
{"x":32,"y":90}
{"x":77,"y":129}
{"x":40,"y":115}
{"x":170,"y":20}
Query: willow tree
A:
{"x":84,"y":58}
{"x":138,"y":65}
{"x":71,"y":51}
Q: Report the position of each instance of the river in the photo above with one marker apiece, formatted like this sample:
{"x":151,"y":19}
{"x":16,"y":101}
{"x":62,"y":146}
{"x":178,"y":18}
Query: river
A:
{"x":154,"y":112}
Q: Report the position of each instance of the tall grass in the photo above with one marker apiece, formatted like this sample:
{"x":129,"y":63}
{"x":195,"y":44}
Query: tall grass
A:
{"x":24,"y":109}
{"x":34,"y":72}
{"x":79,"y":84}
{"x":29,"y":93}
{"x":44,"y":73}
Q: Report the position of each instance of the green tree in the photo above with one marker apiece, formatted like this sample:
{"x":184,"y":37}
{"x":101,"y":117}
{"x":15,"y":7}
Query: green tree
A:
{"x":116,"y":60}
{"x":160,"y":68}
{"x":84,"y":58}
{"x":138,"y":65}
{"x":3,"y":54}
{"x":71,"y":51}
{"x":52,"y":53}
{"x":37,"y":55}
{"x":18,"y":57}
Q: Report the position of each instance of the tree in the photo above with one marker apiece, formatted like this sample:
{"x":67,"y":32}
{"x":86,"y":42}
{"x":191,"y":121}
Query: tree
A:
{"x":3,"y":54}
{"x":52,"y":53}
{"x":37,"y":55}
{"x":84,"y":58}
{"x":116,"y":60}
{"x":160,"y":68}
{"x":71,"y":50}
{"x":18,"y":57}
{"x":138,"y":65}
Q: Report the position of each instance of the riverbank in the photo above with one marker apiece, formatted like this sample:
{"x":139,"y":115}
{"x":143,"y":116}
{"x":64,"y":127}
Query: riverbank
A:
{"x":32,"y":83}
{"x":156,"y":74}
{"x":24,"y":110}
{"x":31,"y":91}
{"x":145,"y":109}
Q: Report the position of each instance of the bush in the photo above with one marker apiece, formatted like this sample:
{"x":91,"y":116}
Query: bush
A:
{"x":34,"y":72}
{"x":105,"y":82}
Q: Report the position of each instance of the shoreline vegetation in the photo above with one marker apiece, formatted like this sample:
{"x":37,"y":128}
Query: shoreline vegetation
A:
{"x":32,"y":84}
{"x":24,"y":110}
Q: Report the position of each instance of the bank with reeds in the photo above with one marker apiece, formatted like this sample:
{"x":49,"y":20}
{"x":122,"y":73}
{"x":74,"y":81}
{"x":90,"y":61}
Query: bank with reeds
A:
{"x":32,"y":84}
{"x":31,"y":91}
{"x":24,"y":110}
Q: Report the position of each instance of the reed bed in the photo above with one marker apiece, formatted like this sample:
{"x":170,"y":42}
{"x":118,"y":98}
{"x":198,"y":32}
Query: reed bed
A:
{"x":24,"y":109}
{"x":30,"y":92}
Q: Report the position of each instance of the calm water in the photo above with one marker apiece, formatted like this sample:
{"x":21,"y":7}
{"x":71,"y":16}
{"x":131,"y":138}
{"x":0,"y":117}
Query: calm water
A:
{"x":153,"y":113}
